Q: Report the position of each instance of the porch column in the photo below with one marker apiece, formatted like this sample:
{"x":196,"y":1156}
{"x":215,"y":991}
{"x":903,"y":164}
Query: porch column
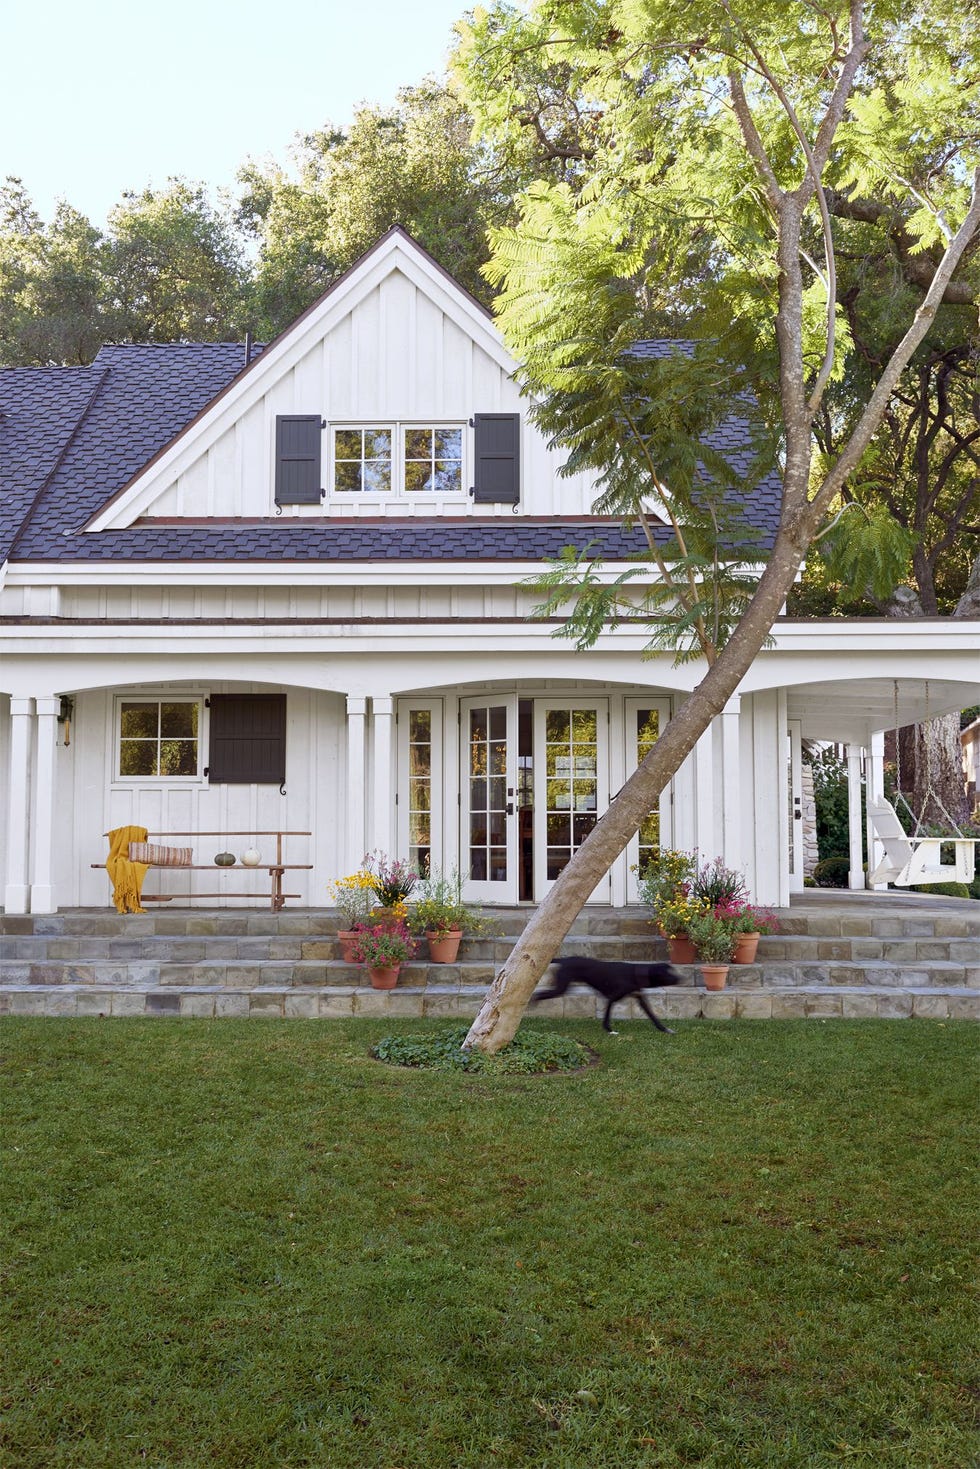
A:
{"x":731,"y":805}
{"x":42,"y":876}
{"x":855,"y":876}
{"x":21,"y":730}
{"x":875,"y":767}
{"x":356,"y":707}
{"x":382,"y":836}
{"x":704,"y":796}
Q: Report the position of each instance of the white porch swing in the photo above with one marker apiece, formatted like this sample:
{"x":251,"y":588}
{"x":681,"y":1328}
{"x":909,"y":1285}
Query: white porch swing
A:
{"x":915,"y":860}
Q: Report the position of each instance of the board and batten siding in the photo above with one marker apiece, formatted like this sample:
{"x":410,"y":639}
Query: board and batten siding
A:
{"x":95,"y":802}
{"x":396,"y":357}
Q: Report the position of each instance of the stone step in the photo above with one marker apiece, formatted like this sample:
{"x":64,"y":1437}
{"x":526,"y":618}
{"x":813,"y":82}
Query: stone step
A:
{"x":898,"y":918}
{"x":42,"y":948}
{"x":164,"y":971}
{"x":817,"y":1002}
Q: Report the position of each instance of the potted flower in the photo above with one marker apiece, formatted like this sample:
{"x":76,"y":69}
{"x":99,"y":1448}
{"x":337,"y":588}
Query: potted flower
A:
{"x":718,"y":885}
{"x":666,"y":873}
{"x":355,"y":897}
{"x":750,"y":924}
{"x":392,"y":879}
{"x":713,"y":935}
{"x":674,"y":915}
{"x":382,"y":950}
{"x":440,"y":913}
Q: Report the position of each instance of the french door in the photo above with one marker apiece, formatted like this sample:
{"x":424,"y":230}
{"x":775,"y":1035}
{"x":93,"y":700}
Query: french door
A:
{"x":488,"y":799}
{"x":571,"y":785}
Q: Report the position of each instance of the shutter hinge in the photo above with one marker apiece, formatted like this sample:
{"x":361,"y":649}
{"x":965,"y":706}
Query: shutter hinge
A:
{"x":207,"y":703}
{"x":207,"y":771}
{"x":323,"y":423}
{"x":471,"y":422}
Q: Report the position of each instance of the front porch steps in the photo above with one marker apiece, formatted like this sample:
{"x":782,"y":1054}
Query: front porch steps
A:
{"x":840,"y":955}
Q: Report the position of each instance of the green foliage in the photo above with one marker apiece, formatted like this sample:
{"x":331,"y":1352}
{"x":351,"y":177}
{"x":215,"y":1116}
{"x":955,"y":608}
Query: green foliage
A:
{"x":530,"y":1051}
{"x":831,"y":796}
{"x":168,"y":268}
{"x":412,"y":164}
{"x":832,"y":872}
{"x":943,"y":889}
{"x":867,"y":550}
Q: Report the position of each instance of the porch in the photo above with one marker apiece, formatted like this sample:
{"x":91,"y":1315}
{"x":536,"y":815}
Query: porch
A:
{"x":840,"y":955}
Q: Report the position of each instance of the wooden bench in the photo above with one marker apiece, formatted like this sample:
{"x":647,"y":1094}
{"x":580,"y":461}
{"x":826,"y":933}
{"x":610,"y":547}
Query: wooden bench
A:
{"x":274,"y":870}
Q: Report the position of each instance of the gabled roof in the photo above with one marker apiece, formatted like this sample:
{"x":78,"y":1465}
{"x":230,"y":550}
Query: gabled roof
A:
{"x":73,"y":440}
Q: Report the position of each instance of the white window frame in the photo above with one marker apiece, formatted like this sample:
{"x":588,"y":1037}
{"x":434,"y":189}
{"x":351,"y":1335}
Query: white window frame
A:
{"x":398,"y":429}
{"x":156,"y":696}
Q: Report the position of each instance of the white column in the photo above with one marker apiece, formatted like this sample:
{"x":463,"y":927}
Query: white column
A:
{"x":875,"y":783}
{"x":21,"y":731}
{"x":855,"y":876}
{"x":731,"y":806}
{"x":42,"y":875}
{"x":706,"y":839}
{"x":356,"y":707}
{"x":382,"y":819}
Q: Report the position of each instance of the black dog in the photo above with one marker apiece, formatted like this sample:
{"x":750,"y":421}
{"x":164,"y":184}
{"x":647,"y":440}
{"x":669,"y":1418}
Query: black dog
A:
{"x":614,"y":981}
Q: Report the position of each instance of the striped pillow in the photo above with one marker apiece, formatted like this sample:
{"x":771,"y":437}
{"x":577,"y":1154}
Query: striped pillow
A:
{"x":160,"y":856}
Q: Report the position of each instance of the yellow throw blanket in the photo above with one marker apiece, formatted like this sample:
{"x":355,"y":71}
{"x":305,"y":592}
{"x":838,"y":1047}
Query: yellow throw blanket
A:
{"x":126,"y":877}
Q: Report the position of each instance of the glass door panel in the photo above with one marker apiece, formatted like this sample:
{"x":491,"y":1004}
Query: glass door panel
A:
{"x":571,"y":783}
{"x":420,"y":782}
{"x":488,"y":839}
{"x":645,"y":722}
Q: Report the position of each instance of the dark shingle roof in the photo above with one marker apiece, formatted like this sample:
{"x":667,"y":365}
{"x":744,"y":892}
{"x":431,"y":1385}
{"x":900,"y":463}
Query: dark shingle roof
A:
{"x":72,"y":438}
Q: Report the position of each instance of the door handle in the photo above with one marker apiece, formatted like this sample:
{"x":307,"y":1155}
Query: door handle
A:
{"x":510,"y":808}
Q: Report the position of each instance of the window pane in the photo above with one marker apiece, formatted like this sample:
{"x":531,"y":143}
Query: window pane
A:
{"x":420,"y":724}
{"x":418,"y":476}
{"x":377,"y":477}
{"x":178,"y":719}
{"x":448,"y":479}
{"x":178,"y":757}
{"x":377,"y":443}
{"x":448,"y":443}
{"x":138,"y":757}
{"x":558,"y":724}
{"x":418,"y":443}
{"x":347,"y":443}
{"x":140,"y":721}
{"x":347,"y":478}
{"x":498,"y":722}
{"x":419,"y":759}
{"x":418,"y":795}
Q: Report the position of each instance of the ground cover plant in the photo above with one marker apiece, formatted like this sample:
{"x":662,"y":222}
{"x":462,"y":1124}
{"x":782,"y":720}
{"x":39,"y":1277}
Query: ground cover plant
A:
{"x":244,"y":1244}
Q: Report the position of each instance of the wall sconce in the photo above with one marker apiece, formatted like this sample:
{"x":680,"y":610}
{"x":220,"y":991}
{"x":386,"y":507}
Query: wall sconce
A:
{"x":65,"y":717}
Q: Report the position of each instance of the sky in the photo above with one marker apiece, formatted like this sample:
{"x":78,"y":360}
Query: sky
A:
{"x":108,"y":96}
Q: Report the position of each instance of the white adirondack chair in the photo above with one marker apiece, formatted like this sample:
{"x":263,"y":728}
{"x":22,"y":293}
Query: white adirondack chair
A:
{"x":910,"y":861}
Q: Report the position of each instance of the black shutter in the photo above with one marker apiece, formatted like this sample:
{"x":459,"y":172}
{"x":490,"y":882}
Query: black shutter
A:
{"x":298,"y":480}
{"x":497,"y":458}
{"x":248,"y":739}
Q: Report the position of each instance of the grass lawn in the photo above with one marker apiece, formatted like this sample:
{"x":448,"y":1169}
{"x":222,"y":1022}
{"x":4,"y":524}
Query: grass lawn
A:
{"x":247,"y":1244}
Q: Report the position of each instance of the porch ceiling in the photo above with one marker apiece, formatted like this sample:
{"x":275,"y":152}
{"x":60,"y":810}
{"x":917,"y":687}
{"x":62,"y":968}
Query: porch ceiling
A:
{"x":850,"y":710}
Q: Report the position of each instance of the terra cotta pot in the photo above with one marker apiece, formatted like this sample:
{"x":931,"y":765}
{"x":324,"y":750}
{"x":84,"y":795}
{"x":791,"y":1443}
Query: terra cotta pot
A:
{"x":347,"y":939}
{"x":384,"y":979}
{"x":444,"y":944}
{"x":746,"y":945}
{"x":714,"y":976}
{"x":680,"y":950}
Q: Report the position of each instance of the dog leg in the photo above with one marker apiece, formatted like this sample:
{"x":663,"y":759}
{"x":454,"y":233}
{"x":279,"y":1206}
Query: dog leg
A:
{"x":641,"y":1001}
{"x":605,"y":1018}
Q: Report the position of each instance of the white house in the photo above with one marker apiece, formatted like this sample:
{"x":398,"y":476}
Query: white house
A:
{"x":288,"y":594}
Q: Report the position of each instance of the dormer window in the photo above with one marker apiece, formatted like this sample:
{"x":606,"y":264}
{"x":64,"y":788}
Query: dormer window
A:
{"x":397,"y":459}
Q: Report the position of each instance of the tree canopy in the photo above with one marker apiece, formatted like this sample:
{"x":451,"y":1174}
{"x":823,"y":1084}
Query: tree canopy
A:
{"x":706,"y":149}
